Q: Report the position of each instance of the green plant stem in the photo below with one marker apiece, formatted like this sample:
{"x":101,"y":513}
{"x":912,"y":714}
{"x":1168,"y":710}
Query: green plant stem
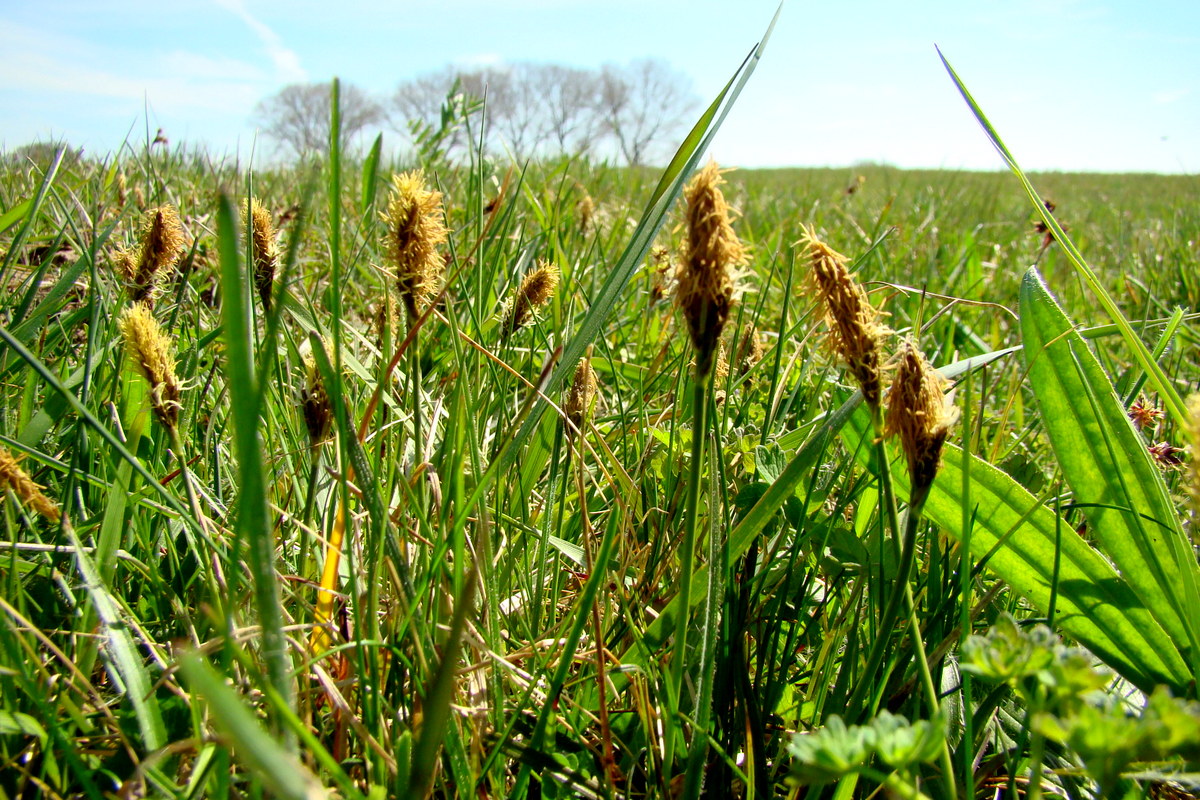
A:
{"x":891,"y":611}
{"x":857,"y":707}
{"x":687,"y":557}
{"x":931,"y":693}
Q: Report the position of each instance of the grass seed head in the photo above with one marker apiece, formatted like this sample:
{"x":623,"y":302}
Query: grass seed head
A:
{"x":750,"y":349}
{"x":587,"y":213}
{"x":855,"y":331}
{"x":581,"y":396}
{"x":161,"y":244}
{"x":264,"y":249}
{"x":415,"y":230}
{"x":28,"y":492}
{"x":534,"y":292}
{"x":154,"y":357}
{"x":920,"y":414}
{"x":318,"y":413}
{"x":705,"y":278}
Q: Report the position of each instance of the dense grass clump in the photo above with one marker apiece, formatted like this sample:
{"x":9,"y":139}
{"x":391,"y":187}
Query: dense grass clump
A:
{"x":456,"y":479}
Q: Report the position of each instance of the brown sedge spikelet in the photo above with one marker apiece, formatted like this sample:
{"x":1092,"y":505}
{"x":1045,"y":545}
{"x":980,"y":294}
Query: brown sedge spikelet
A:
{"x":750,"y":349}
{"x":705,"y":278}
{"x":920,"y":414}
{"x":263,"y":248}
{"x":535,"y":291}
{"x":161,"y":244}
{"x":586,"y":207}
{"x":22,"y":486}
{"x":314,"y":400}
{"x":580,"y":397}
{"x":855,"y":332}
{"x":153,"y":355}
{"x":415,"y":230}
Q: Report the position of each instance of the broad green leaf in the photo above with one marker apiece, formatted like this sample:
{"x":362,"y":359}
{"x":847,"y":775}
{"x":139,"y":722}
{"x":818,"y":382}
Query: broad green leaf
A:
{"x":1104,"y":459}
{"x":1016,"y":535}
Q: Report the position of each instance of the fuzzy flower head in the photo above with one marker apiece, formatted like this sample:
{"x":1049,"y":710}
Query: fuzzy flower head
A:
{"x":415,"y":230}
{"x":705,"y":278}
{"x":13,"y":478}
{"x":535,"y":291}
{"x":581,"y":396}
{"x":144,"y":268}
{"x":154,"y":357}
{"x":855,"y":332}
{"x":920,"y":413}
{"x":314,"y":401}
{"x":264,"y":249}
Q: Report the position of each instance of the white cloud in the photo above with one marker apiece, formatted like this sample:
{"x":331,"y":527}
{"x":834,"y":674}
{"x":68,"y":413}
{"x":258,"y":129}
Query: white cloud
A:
{"x":286,"y":61}
{"x":1164,"y":96}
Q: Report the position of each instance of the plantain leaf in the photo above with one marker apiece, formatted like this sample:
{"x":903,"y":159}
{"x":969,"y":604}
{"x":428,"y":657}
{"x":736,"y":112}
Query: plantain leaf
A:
{"x":1104,"y":459}
{"x":1014,"y":534}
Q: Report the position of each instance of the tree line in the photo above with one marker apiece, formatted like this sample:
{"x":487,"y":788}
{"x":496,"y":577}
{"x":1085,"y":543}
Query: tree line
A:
{"x":634,"y":112}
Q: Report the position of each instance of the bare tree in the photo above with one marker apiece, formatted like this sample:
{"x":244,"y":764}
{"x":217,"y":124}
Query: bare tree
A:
{"x":297,"y":116}
{"x":570,"y":103}
{"x":643,"y":105}
{"x":537,"y":109}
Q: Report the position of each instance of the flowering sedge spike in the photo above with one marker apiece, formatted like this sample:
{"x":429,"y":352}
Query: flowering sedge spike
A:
{"x":22,"y":486}
{"x":535,"y":291}
{"x":263,"y":248}
{"x":705,"y":278}
{"x":586,"y":208}
{"x":318,"y":413}
{"x":750,"y":349}
{"x":581,"y":396}
{"x":161,"y":245}
{"x":415,"y":230}
{"x":920,"y":414}
{"x":855,"y":332}
{"x":151,"y":352}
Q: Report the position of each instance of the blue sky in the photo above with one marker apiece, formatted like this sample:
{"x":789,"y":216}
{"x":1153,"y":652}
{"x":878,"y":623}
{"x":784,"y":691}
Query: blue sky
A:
{"x":1070,"y":84}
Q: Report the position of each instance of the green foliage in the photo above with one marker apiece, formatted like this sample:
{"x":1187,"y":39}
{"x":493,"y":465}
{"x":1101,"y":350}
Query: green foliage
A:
{"x":507,"y":603}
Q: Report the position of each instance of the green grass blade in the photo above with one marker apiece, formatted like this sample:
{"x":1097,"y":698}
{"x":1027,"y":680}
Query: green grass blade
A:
{"x":31,"y":215}
{"x":1158,"y":378}
{"x":121,"y":651}
{"x":370,"y":176}
{"x":107,"y":435}
{"x":15,"y":214}
{"x":1105,"y":461}
{"x":260,"y":752}
{"x":254,"y":515}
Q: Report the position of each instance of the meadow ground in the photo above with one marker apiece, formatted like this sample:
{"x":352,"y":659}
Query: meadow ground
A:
{"x":626,"y":578}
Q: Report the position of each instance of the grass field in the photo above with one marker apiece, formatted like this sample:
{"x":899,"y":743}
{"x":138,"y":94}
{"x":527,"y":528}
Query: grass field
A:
{"x":364,"y":527}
